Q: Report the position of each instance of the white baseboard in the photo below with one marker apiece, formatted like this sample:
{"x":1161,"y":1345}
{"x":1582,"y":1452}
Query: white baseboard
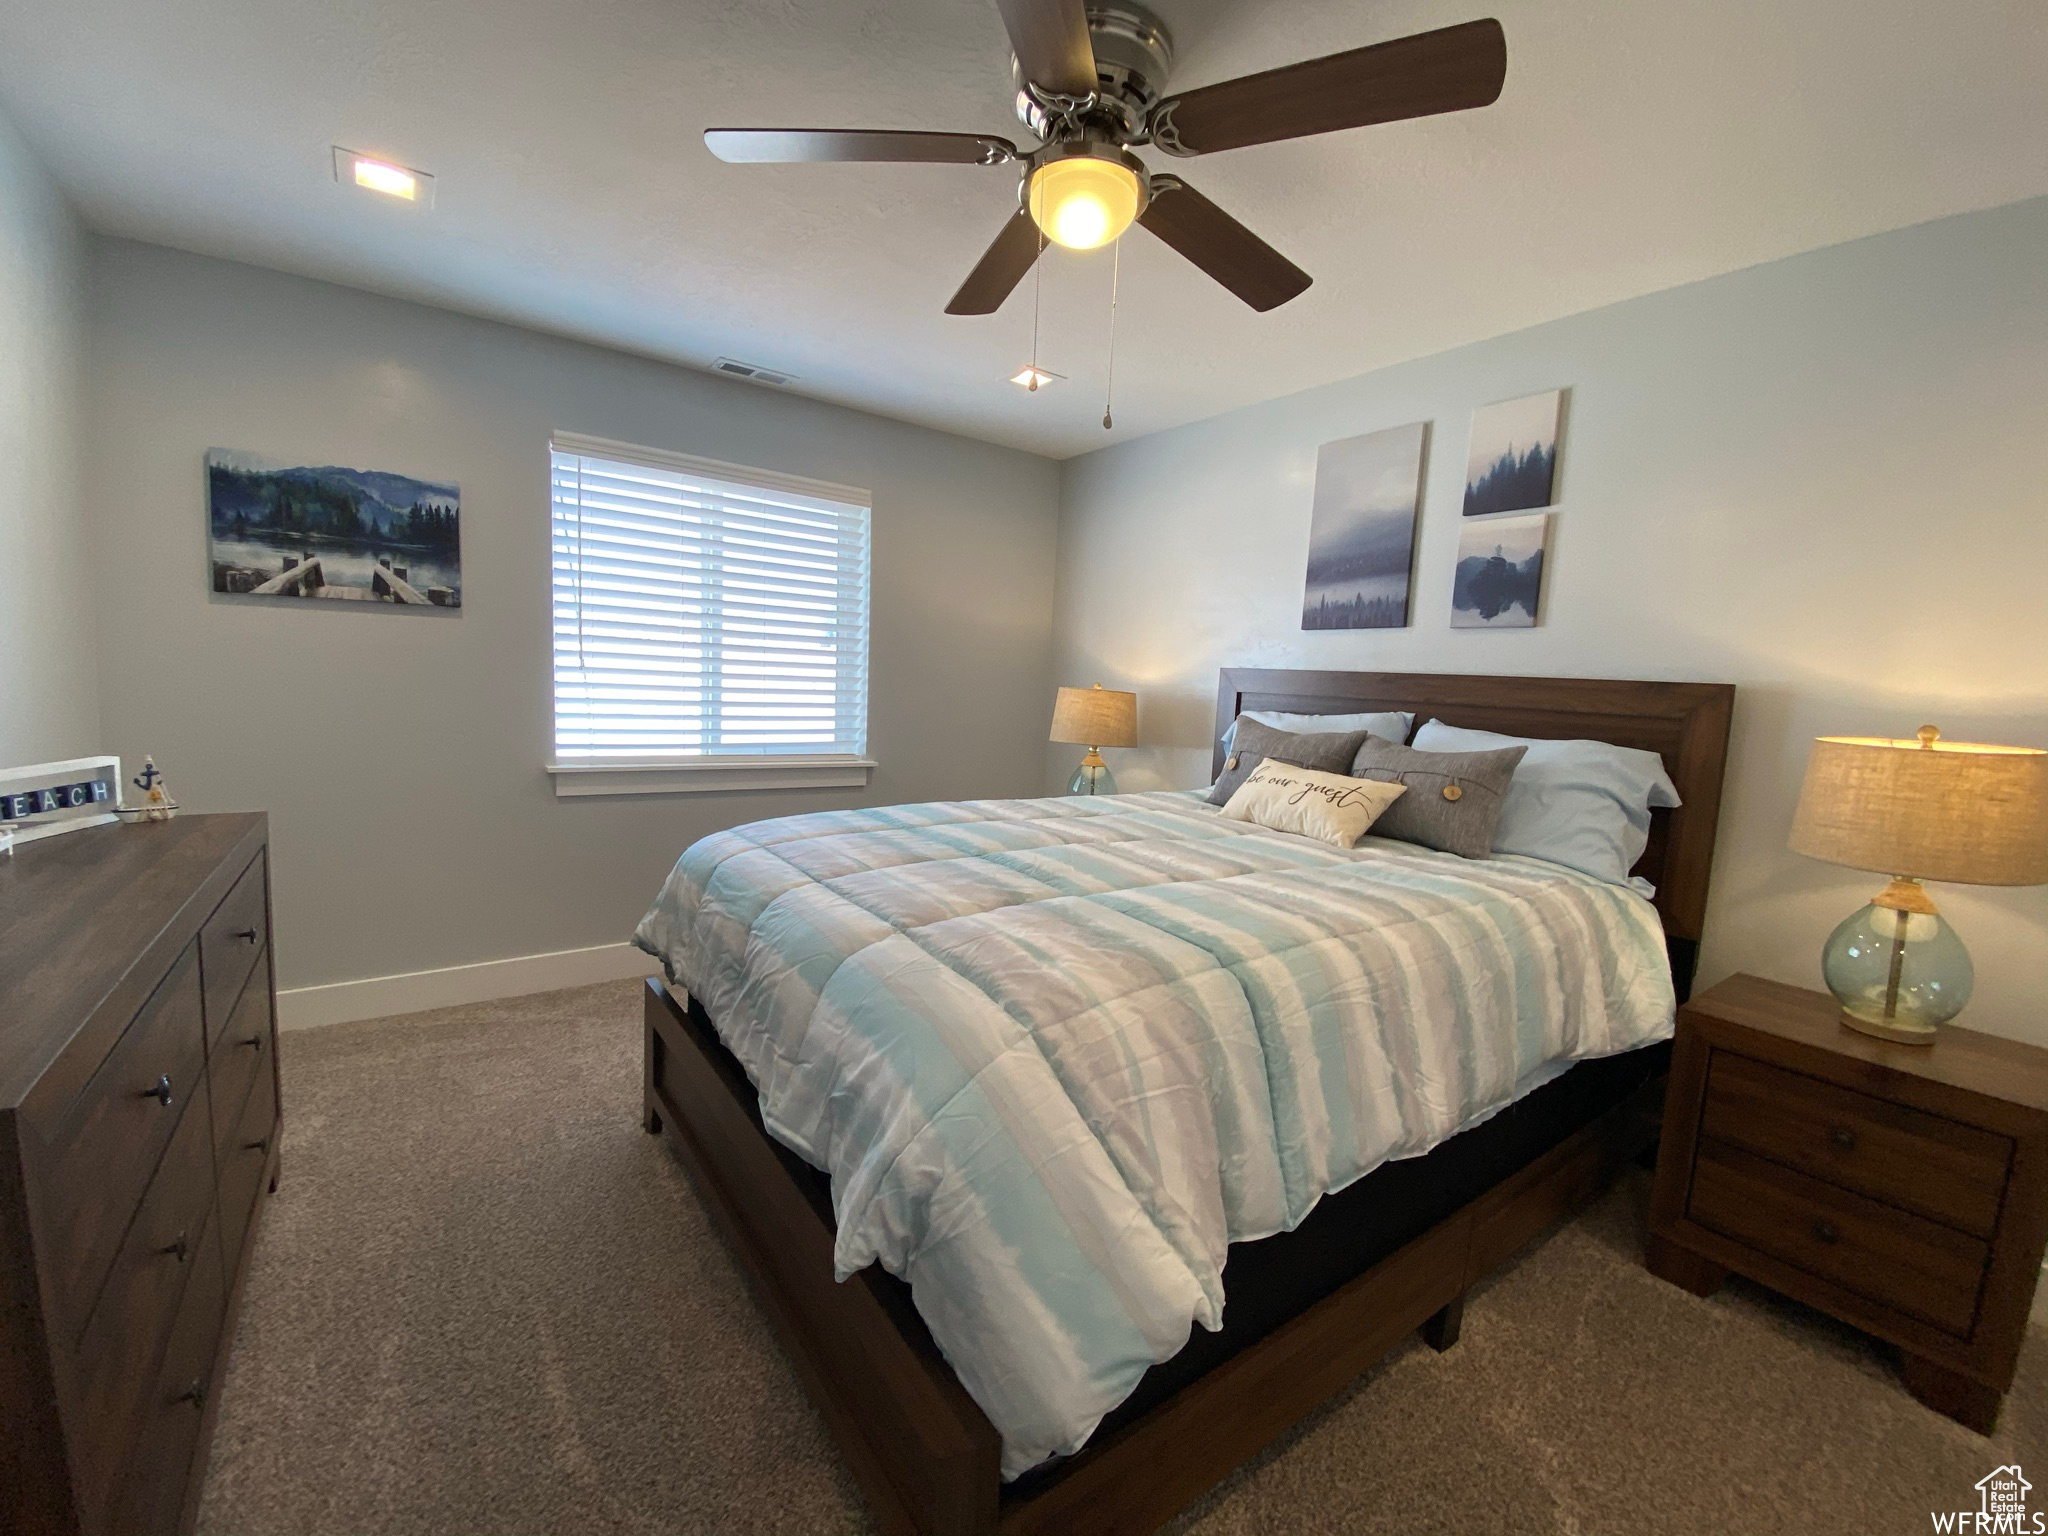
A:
{"x":376,"y":996}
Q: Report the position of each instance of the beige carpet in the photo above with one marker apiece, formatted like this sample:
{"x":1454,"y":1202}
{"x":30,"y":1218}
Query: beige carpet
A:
{"x":484,"y":1301}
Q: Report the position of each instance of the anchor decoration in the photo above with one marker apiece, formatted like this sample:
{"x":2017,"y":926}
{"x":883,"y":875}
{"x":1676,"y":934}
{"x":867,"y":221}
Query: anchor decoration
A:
{"x":157,"y":804}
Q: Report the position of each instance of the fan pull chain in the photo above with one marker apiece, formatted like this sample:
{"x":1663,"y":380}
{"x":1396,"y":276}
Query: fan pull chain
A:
{"x":1037,"y":287}
{"x":1116,"y":266}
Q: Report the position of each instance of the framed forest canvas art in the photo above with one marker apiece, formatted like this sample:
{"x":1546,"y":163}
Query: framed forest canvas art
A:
{"x":1513,"y":461}
{"x":1361,"y":539}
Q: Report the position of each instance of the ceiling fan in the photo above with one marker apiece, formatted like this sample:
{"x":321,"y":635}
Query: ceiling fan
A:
{"x":1090,"y":84}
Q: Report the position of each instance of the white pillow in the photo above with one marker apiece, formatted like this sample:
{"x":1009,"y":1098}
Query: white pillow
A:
{"x":1333,"y":807}
{"x":1583,"y":804}
{"x":1387,"y":724}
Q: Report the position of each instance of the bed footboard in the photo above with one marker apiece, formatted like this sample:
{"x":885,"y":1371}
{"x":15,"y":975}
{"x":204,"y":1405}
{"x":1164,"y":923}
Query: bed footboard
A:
{"x":925,"y":1455}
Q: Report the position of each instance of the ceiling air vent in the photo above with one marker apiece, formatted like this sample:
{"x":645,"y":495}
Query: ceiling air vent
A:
{"x":754,"y":371}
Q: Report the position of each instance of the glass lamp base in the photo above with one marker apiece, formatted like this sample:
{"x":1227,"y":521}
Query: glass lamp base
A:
{"x":1092,"y":777}
{"x":1897,"y":974}
{"x":1903,"y":1031}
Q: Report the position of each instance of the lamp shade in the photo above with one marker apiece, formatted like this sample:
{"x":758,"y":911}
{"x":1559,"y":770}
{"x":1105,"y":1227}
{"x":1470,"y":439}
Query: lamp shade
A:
{"x":1926,"y":809}
{"x":1096,"y":717}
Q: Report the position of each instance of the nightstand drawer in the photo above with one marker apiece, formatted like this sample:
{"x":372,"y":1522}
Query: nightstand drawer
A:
{"x":1938,"y":1168}
{"x":1888,"y":1256}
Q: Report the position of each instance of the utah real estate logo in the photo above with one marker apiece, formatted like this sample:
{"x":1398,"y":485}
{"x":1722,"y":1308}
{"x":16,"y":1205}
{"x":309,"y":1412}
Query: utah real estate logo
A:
{"x":2003,"y":1509}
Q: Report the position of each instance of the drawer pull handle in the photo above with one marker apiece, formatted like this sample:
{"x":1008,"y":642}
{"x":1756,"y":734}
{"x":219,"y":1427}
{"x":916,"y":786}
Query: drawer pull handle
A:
{"x":255,"y":1041}
{"x":160,"y":1090}
{"x":246,"y":933}
{"x":194,"y":1394}
{"x":1843,"y":1138}
{"x":180,"y":1247}
{"x":257,"y":1146}
{"x":1827,"y":1231}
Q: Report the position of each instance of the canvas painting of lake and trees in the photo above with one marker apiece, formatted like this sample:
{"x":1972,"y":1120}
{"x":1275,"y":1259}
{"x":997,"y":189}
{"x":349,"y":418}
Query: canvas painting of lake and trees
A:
{"x":324,"y":532}
{"x":1513,"y":463}
{"x":1499,"y":582}
{"x":1361,"y":536}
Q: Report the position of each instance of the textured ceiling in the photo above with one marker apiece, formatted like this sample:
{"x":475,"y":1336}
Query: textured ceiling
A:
{"x":1638,"y":144}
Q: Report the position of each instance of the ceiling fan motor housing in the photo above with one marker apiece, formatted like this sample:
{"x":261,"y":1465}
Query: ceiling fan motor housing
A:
{"x":1133,"y":53}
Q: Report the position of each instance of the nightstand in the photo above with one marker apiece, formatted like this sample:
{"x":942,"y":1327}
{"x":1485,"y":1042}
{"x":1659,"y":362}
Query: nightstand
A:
{"x":1900,"y":1188}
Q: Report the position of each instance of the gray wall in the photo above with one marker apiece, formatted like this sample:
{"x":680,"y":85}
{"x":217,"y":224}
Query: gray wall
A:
{"x":1822,"y":480}
{"x":49,"y":706}
{"x":400,"y":753}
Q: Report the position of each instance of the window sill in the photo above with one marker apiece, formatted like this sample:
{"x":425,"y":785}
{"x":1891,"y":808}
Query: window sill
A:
{"x":709,"y":775}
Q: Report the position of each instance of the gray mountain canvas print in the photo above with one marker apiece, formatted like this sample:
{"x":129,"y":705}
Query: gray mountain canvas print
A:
{"x":1361,"y":538}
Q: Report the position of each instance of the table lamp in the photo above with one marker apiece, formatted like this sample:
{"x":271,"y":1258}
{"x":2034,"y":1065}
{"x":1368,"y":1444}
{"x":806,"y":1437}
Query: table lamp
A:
{"x":1095,"y":718}
{"x":1925,"y":809}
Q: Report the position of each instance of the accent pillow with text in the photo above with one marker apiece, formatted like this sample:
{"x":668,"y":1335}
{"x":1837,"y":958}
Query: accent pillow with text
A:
{"x":1331,"y":807}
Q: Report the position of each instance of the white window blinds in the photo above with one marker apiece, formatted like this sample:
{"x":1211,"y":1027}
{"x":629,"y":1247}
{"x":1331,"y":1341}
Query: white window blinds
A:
{"x":704,"y":610}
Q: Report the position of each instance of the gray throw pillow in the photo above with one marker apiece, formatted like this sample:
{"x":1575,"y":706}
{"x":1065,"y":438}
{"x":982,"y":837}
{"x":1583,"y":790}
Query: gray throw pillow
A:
{"x":1454,"y":798}
{"x":1330,"y":752}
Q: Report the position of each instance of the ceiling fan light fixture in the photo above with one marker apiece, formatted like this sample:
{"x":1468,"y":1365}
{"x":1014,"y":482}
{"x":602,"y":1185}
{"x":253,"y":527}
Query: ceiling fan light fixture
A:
{"x":1092,"y":80}
{"x":1086,"y":198}
{"x":1033,"y":377}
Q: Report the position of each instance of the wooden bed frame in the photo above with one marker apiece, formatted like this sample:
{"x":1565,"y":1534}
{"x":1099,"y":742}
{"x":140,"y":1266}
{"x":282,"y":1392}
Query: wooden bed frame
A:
{"x":924,"y":1454}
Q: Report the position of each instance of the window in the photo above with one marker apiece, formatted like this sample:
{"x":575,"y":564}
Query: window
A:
{"x":710,"y":624}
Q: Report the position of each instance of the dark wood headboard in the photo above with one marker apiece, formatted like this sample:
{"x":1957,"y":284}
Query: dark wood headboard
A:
{"x":1686,"y":724}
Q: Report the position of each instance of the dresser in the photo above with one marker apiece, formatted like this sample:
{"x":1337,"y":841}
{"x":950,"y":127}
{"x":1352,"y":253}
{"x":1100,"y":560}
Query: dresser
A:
{"x":1900,"y":1188}
{"x":138,"y":1139}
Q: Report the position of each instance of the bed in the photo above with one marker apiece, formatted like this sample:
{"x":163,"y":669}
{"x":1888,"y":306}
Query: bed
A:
{"x":1083,"y":1076}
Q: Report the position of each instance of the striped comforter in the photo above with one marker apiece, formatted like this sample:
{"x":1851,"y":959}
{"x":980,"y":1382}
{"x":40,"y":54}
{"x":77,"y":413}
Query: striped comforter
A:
{"x":1057,"y":1055}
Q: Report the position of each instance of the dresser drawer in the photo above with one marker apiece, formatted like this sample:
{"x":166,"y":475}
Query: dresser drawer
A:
{"x":230,"y":942}
{"x":1885,"y":1255}
{"x":239,"y":1053}
{"x":125,"y":1335}
{"x":149,"y":1491}
{"x":242,"y":1165}
{"x":111,"y":1141}
{"x":1938,"y":1168}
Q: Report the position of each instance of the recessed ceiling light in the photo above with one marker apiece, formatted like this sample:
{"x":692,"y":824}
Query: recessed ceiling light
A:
{"x":383,"y":176}
{"x":754,"y":371}
{"x":1033,"y":377}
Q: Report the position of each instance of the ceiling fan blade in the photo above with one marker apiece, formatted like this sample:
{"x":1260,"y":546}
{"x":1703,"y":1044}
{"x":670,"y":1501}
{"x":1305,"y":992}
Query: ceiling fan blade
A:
{"x":755,"y":146}
{"x":1220,"y":246}
{"x":1001,"y":268}
{"x":1447,"y":70}
{"x":1050,"y":39}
